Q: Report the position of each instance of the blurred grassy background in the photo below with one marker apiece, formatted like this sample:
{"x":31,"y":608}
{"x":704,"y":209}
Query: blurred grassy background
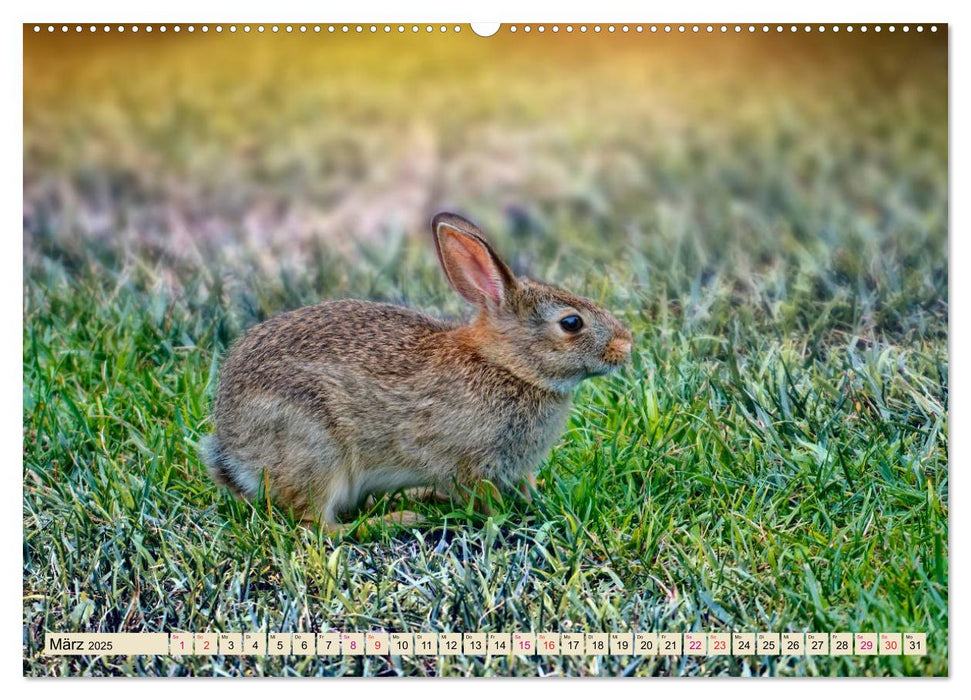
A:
{"x":767,"y":213}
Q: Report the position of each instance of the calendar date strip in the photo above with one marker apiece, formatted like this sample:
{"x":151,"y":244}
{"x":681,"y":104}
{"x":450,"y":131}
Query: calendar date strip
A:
{"x":529,"y":644}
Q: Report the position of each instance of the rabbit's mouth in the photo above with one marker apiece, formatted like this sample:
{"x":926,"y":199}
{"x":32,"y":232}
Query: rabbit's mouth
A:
{"x":606,"y":368}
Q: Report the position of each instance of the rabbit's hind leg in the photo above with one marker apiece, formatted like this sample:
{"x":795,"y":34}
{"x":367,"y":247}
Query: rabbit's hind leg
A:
{"x":485,"y":496}
{"x":529,"y":486}
{"x":400,"y":518}
{"x":338,"y":497}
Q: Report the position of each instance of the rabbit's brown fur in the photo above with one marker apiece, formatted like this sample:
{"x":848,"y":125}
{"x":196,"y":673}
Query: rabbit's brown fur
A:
{"x":330,"y":403}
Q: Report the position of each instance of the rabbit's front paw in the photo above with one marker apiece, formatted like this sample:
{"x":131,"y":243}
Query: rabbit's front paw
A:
{"x":529,"y":486}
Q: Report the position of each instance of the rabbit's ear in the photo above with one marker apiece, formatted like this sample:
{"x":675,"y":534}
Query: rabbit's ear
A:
{"x":470,"y":264}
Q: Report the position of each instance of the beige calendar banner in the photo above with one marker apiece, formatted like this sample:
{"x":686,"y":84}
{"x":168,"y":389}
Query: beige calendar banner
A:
{"x":181,"y":644}
{"x":97,"y":644}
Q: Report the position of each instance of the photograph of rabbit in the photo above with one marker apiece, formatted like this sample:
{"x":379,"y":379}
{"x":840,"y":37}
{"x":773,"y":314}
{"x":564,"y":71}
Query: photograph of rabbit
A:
{"x":765,"y":214}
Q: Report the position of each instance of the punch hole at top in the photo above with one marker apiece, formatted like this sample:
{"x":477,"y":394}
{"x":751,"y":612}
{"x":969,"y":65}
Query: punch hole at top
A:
{"x":485,"y":28}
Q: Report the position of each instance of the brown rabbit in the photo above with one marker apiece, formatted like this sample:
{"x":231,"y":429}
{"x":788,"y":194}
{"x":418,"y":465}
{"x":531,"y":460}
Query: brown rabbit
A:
{"x":328,"y":404}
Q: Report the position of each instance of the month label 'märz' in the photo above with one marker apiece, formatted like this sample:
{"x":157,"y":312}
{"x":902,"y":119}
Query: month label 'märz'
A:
{"x":107,"y":644}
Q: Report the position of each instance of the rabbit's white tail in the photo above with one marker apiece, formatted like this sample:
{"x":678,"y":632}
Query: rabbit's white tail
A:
{"x":222,"y":468}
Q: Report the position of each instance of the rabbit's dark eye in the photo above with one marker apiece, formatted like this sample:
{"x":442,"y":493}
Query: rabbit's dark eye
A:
{"x":571,"y":324}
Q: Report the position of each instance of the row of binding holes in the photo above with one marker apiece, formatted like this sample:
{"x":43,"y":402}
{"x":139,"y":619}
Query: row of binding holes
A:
{"x":711,"y":29}
{"x":232,"y":28}
{"x":414,"y":28}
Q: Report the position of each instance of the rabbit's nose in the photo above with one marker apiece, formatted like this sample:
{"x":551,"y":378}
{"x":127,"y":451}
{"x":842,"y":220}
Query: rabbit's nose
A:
{"x":618,"y":350}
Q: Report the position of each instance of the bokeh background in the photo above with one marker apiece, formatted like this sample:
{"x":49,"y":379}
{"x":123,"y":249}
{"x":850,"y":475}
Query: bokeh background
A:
{"x":768,"y":213}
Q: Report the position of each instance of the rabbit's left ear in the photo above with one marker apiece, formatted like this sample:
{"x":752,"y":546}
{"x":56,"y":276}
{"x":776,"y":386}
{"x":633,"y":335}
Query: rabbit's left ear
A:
{"x":470,"y":263}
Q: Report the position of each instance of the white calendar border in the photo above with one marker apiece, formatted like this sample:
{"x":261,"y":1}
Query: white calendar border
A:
{"x":509,"y":11}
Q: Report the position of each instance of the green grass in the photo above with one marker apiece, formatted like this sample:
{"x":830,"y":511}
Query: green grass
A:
{"x":775,"y":457}
{"x":746,"y":473}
